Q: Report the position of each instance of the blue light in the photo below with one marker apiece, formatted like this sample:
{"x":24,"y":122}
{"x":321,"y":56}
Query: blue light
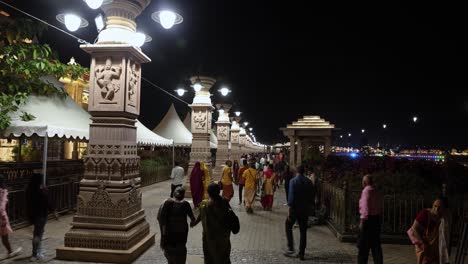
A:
{"x":353,"y":155}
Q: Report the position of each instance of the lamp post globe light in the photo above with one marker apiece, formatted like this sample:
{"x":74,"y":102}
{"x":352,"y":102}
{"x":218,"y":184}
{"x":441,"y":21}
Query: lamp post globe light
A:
{"x":114,"y":104}
{"x":94,"y":4}
{"x":72,"y":21}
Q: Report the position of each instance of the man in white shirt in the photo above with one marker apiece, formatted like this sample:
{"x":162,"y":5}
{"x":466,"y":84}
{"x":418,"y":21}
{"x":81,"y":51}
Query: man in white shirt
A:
{"x":177,"y":176}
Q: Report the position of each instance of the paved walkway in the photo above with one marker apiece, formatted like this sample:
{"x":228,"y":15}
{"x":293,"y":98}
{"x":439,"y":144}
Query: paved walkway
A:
{"x":261,"y":239}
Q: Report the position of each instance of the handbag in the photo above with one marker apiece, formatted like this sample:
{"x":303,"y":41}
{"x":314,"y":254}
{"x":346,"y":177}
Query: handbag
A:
{"x":412,"y":237}
{"x":233,"y":221}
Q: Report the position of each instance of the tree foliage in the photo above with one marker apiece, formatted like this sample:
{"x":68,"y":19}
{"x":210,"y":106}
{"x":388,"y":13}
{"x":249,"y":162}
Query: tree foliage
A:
{"x":23,"y":63}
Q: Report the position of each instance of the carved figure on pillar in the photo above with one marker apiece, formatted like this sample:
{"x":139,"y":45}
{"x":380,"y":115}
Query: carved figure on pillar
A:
{"x":104,"y":78}
{"x":200,"y":120}
{"x":133,"y":83}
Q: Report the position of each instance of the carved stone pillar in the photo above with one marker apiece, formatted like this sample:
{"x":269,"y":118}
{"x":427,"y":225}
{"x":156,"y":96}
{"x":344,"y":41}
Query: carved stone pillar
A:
{"x":292,"y":151}
{"x":223,"y":126}
{"x":201,"y":126}
{"x":242,"y":139}
{"x":110,"y":224}
{"x":299,"y":152}
{"x":327,"y":146}
{"x":235,"y":155}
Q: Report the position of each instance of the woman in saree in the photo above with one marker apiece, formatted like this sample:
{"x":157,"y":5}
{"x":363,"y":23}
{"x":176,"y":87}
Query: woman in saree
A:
{"x":268,"y":182}
{"x":206,"y":179}
{"x":216,"y":234}
{"x":251,"y":180}
{"x":226,"y":180}
{"x":431,"y":232}
{"x":196,"y":184}
{"x":172,"y":218}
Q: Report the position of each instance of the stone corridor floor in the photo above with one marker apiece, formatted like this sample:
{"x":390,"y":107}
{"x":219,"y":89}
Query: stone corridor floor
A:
{"x":260,"y":240}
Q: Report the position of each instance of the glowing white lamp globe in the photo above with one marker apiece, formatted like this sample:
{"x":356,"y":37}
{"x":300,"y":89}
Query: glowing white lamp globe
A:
{"x":180,"y":91}
{"x":224,"y":91}
{"x":94,"y":4}
{"x":139,"y":39}
{"x":72,"y":22}
{"x":197,"y":87}
{"x":167,"y":19}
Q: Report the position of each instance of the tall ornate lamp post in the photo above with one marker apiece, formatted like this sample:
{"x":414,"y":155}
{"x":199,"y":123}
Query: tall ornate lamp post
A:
{"x":223,"y":127}
{"x":235,"y":130}
{"x":201,"y":122}
{"x":110,"y":224}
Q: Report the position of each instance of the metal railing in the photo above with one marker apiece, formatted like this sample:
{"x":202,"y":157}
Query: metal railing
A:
{"x":399,"y":211}
{"x":152,"y":175}
{"x":62,"y":195}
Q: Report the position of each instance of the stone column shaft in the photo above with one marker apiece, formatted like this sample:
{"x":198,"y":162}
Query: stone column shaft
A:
{"x":110,"y":224}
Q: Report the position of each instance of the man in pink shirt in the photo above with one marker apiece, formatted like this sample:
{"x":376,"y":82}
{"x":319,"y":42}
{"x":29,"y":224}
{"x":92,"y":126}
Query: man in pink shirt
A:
{"x":370,"y":208}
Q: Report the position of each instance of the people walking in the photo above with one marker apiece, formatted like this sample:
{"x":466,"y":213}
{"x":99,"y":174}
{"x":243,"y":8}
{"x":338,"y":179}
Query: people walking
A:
{"x":431,"y":232}
{"x":5,"y":228}
{"x":172,"y":218}
{"x":196,"y":184}
{"x":269,"y":178}
{"x":242,"y":179}
{"x":250,"y":176}
{"x":206,"y":179}
{"x":370,"y":209}
{"x":39,"y":206}
{"x":226,"y":180}
{"x":300,"y":201}
{"x":216,"y":233}
{"x":177,"y":176}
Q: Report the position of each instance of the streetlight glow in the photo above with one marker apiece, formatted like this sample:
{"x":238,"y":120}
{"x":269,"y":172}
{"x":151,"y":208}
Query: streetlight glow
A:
{"x":384,"y":126}
{"x":246,"y":124}
{"x":139,"y":39}
{"x":363,"y":131}
{"x":167,"y":18}
{"x":415,"y":119}
{"x":72,"y":22}
{"x":197,"y":86}
{"x":180,"y":91}
{"x":94,"y":4}
{"x":224,"y":91}
{"x":250,"y":128}
{"x":341,"y":136}
{"x":349,"y":134}
{"x":238,"y":113}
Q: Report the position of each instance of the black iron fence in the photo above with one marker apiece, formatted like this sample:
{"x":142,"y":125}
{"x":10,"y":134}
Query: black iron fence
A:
{"x":63,"y":182}
{"x":154,"y":174}
{"x":399,"y":212}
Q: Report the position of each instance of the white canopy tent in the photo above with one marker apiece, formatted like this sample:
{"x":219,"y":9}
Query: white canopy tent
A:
{"x":171,"y":126}
{"x":63,"y":118}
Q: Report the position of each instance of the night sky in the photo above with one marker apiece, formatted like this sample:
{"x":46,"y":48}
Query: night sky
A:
{"x":356,"y":64}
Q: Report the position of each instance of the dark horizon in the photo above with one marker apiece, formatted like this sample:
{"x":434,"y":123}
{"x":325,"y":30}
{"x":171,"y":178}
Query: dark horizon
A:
{"x":357,"y":65}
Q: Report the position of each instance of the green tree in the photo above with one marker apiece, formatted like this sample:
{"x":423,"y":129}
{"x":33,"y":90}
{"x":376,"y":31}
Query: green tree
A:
{"x":23,"y":63}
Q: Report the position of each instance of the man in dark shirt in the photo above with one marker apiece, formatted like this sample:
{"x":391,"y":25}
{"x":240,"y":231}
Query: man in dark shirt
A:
{"x":300,"y":202}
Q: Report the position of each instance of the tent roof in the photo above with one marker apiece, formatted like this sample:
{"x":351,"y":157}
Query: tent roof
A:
{"x":54,"y":116}
{"x":147,"y":137}
{"x":188,"y":121}
{"x":172,"y":127}
{"x":59,"y":117}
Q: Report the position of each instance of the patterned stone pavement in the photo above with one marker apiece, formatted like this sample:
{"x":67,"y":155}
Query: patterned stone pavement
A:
{"x":261,"y":239}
